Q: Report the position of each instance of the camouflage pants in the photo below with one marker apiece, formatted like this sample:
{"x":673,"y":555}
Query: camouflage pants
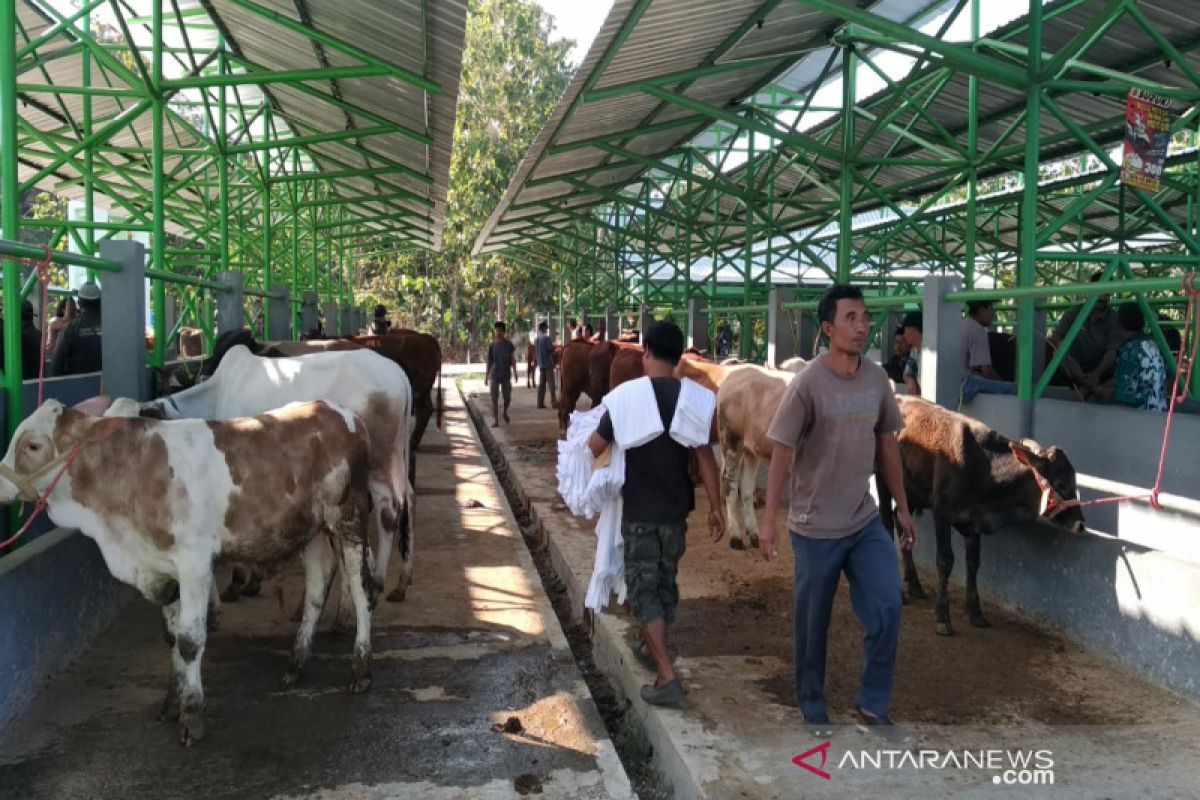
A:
{"x":652,"y":553}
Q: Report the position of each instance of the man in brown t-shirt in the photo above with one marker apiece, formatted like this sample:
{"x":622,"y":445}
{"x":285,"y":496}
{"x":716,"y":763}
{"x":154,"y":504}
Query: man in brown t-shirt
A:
{"x":835,"y":417}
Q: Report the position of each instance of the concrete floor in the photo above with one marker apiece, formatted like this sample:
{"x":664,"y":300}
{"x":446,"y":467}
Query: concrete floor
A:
{"x":1012,"y":689}
{"x":475,"y":643}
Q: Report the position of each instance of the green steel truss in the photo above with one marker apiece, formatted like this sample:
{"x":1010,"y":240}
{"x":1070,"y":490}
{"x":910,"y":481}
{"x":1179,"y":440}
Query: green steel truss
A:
{"x":991,"y":158}
{"x":180,"y":135}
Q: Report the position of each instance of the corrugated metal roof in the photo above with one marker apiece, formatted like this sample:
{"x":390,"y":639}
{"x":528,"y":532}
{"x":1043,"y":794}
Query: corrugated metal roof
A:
{"x":661,"y":38}
{"x":801,"y":203}
{"x":422,"y":38}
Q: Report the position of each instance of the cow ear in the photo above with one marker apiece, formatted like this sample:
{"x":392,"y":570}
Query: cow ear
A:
{"x":1023,"y":454}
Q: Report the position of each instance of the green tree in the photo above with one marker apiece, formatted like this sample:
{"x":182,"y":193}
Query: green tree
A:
{"x":512,"y":77}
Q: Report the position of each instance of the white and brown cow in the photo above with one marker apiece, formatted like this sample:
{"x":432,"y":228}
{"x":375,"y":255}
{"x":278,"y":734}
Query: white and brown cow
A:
{"x":373,"y":387}
{"x":165,"y":500}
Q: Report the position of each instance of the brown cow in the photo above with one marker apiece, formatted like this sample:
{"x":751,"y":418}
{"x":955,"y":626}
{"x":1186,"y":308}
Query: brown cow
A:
{"x":574,"y":375}
{"x":530,"y":364}
{"x":978,"y":481}
{"x":600,"y":363}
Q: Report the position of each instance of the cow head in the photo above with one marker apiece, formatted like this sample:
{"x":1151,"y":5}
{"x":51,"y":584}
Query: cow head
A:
{"x":1055,"y":478}
{"x":39,"y":446}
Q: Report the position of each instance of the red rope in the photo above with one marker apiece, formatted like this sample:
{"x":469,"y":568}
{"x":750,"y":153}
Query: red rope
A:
{"x":43,"y":501}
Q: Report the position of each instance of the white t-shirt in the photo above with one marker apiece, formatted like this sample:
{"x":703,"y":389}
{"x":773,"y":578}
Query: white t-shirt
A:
{"x":976,"y":352}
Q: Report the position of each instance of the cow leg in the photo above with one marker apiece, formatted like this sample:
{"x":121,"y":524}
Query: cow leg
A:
{"x":405,"y":542}
{"x":746,"y":486}
{"x":318,"y":568}
{"x":237,"y":582}
{"x":945,"y":563}
{"x":974,"y":611}
{"x":911,"y":580}
{"x":383,"y":523}
{"x":169,"y":712}
{"x":731,"y":474}
{"x":254,"y":585}
{"x":190,"y":635}
{"x":357,"y":578}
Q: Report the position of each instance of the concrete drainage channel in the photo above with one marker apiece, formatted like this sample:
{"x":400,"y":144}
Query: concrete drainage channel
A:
{"x":624,"y":728}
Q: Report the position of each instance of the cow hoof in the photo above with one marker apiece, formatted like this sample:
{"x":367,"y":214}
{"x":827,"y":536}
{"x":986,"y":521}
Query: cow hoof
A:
{"x":917,"y":593}
{"x":944,"y":629}
{"x":980,"y":621}
{"x":360,"y":684}
{"x":737,"y":544}
{"x":191,"y":730}
{"x":169,"y":711}
{"x":753,"y":542}
{"x":397,"y":595}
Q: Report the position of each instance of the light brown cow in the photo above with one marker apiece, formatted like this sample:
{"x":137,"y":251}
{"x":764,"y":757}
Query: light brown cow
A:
{"x":574,"y":375}
{"x":187,"y":493}
{"x":746,"y":403}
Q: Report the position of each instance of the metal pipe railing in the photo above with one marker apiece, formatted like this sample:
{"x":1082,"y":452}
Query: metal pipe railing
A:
{"x":36,"y":253}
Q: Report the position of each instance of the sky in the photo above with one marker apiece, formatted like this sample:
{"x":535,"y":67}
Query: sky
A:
{"x":577,"y":19}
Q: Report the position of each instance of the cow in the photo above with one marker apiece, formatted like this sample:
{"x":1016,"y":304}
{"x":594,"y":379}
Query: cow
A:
{"x":371,"y":386}
{"x":418,"y":354}
{"x":190,"y":492}
{"x":747,"y":400}
{"x":977,"y":481}
{"x":574,"y":376}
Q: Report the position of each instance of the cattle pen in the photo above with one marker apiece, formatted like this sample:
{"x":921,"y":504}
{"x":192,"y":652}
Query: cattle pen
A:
{"x":238,"y":166}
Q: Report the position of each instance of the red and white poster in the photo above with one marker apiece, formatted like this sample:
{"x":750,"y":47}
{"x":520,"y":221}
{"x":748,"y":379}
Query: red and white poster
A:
{"x":1147,"y":134}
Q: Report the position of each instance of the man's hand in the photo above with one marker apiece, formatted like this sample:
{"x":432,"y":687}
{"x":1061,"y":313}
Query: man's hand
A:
{"x":716,"y":523}
{"x":768,"y":538}
{"x":906,"y":530}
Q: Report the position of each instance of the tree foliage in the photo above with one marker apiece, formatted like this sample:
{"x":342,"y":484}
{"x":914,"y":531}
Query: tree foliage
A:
{"x":512,"y":77}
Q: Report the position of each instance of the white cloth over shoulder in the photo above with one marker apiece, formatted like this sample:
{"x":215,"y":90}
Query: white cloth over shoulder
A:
{"x":633,"y":410}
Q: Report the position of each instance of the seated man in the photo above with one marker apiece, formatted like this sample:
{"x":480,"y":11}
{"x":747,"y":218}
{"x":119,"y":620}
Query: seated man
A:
{"x":980,"y":376}
{"x":894,"y":366}
{"x":1093,"y":354}
{"x":1141,"y":378}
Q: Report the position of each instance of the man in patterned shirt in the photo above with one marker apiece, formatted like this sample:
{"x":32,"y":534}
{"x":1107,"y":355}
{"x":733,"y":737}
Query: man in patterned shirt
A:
{"x":1141,"y":378}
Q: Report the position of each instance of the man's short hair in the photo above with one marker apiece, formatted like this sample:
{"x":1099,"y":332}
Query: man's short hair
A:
{"x":975,"y":306}
{"x":914,"y":319}
{"x":380,"y":311}
{"x":1131,"y":318}
{"x":827,"y":307}
{"x":500,"y":326}
{"x":543,"y":327}
{"x":664,"y":340}
{"x":899,"y":332}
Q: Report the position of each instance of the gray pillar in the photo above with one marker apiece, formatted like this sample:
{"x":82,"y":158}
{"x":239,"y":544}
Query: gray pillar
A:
{"x":331,"y":318}
{"x":309,"y":315}
{"x":941,"y":368}
{"x":280,"y":306}
{"x":123,"y":298}
{"x":810,"y":334}
{"x":645,"y":320}
{"x":698,"y":325}
{"x":230,"y":304}
{"x":360,"y":319}
{"x":612,"y":326}
{"x":346,"y":321}
{"x":781,"y":344}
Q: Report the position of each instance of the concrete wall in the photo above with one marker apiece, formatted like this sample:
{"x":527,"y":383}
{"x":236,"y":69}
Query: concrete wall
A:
{"x":56,"y":595}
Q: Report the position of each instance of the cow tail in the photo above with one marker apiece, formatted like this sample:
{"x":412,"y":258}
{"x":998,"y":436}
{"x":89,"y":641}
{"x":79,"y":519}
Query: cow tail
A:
{"x":439,"y":408}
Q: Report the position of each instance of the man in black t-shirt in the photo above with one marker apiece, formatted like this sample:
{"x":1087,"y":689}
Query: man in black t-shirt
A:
{"x":658,"y":495}
{"x":79,"y":346}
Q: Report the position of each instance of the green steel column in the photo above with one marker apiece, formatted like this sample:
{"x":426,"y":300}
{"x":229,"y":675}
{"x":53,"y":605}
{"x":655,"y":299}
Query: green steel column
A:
{"x":312,"y":233}
{"x":972,"y":155}
{"x":267,"y":280}
{"x":158,"y":236}
{"x":89,"y":166}
{"x":744,"y":349}
{"x":1027,"y":259}
{"x":297,"y":296}
{"x":10,"y":213}
{"x":222,"y":171}
{"x":846,"y":212}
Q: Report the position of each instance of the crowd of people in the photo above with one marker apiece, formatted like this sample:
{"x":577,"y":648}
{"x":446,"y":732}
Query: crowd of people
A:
{"x":1112,"y":359}
{"x":72,"y":342}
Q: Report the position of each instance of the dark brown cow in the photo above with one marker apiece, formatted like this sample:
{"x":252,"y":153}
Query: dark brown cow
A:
{"x":574,"y":375}
{"x":530,"y":364}
{"x":600,"y":363}
{"x":977,"y":481}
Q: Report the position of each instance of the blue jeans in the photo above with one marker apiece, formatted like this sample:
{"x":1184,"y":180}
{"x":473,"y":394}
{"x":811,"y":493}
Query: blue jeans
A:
{"x":977,"y":384}
{"x":869,"y":560}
